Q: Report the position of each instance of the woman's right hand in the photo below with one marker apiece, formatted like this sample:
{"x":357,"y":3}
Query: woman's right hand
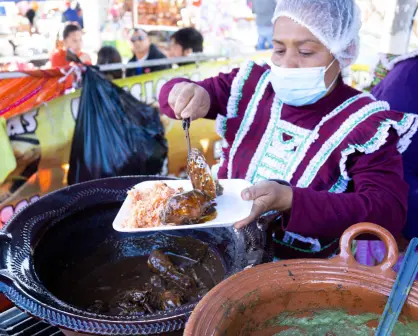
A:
{"x":189,"y":100}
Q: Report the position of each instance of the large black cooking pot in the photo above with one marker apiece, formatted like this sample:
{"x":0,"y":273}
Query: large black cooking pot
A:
{"x":50,"y":247}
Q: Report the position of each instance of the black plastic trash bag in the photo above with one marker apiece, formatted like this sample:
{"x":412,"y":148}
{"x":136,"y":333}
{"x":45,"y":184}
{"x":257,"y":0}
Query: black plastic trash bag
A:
{"x":115,"y":134}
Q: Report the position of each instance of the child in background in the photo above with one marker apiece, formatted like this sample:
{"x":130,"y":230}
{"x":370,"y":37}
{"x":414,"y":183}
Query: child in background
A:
{"x":73,"y":41}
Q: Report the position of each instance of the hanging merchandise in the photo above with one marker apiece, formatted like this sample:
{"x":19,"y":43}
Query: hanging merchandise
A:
{"x":160,"y":12}
{"x":115,"y":134}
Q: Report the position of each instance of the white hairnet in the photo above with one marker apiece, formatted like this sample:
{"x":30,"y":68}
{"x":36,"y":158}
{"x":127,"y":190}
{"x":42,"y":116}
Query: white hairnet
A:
{"x":336,"y":23}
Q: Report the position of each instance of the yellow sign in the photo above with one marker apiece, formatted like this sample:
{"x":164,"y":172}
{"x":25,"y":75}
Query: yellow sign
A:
{"x":360,"y":75}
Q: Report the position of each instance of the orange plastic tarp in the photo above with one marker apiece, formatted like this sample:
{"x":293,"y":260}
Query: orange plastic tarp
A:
{"x":19,"y":95}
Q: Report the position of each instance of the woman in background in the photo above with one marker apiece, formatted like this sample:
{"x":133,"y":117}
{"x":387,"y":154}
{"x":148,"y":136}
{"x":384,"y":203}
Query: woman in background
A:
{"x":110,"y":55}
{"x":395,"y":80}
{"x":399,"y":89}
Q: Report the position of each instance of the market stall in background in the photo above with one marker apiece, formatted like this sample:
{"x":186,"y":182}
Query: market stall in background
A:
{"x":227,"y":26}
{"x":40,"y":129}
{"x":40,"y":151}
{"x":37,"y":130}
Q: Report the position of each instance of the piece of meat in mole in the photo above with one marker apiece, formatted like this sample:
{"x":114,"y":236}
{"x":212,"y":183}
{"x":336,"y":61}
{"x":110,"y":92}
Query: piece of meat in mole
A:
{"x":135,"y":301}
{"x":170,"y":299}
{"x":187,"y":208}
{"x":201,"y":176}
{"x":160,"y":264}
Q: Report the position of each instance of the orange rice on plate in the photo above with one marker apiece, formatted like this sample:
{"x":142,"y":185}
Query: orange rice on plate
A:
{"x":148,"y":204}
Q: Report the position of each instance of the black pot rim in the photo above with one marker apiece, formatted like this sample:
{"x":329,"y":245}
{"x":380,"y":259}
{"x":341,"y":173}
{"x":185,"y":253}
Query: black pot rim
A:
{"x":71,"y":317}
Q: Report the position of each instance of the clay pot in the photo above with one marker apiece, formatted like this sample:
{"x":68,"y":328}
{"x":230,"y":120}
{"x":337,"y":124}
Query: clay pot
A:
{"x":278,"y":298}
{"x":71,"y":333}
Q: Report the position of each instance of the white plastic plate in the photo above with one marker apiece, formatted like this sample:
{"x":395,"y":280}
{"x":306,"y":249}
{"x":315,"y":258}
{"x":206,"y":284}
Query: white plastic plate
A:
{"x":230,"y":206}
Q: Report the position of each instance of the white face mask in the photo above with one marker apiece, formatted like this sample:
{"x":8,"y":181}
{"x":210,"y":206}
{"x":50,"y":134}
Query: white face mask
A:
{"x":300,"y":86}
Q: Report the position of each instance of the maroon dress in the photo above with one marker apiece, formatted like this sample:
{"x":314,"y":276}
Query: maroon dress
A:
{"x":341,"y":155}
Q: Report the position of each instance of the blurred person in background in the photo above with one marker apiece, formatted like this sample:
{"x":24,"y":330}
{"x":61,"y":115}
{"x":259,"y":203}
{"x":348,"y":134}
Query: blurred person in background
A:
{"x":110,"y":55}
{"x":395,"y":80}
{"x":79,"y":11}
{"x":185,"y":42}
{"x":144,"y":50}
{"x":31,"y":15}
{"x":115,"y":15}
{"x":115,"y":10}
{"x":399,"y":89}
{"x":73,"y":41}
{"x":264,"y":10}
{"x":71,"y":14}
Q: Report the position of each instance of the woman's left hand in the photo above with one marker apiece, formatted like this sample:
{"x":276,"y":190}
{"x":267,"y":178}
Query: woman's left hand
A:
{"x":267,"y":196}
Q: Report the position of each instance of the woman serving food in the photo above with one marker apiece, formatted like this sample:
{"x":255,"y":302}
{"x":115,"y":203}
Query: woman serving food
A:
{"x":296,"y":121}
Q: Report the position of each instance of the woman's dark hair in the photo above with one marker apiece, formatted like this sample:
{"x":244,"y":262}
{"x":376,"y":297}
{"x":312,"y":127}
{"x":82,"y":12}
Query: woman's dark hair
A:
{"x":69,"y":29}
{"x":109,"y":55}
{"x":189,"y":38}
